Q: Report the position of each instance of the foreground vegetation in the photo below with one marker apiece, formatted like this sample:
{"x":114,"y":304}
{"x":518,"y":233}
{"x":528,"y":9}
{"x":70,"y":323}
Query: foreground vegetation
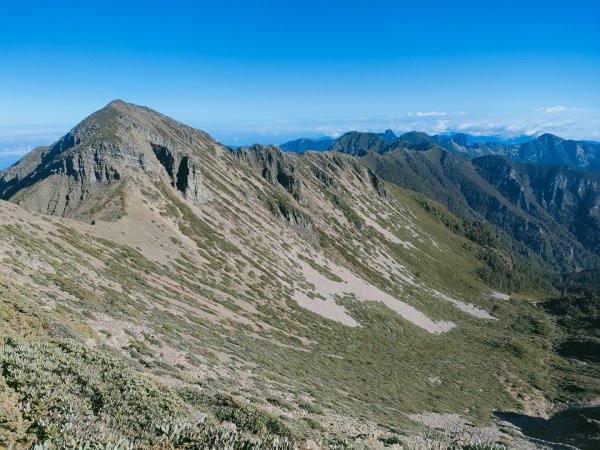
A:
{"x":59,"y":393}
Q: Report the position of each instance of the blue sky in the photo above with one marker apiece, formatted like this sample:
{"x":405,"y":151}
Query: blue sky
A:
{"x":272,"y":70}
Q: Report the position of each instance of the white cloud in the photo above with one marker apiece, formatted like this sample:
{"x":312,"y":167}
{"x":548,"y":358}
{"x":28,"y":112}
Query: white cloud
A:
{"x":427,"y":114}
{"x":439,"y":127}
{"x":559,"y":109}
{"x":572,"y":123}
{"x":552,"y":109}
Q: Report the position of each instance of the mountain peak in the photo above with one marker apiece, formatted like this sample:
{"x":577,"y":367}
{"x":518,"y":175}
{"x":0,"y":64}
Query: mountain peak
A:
{"x":127,"y":108}
{"x":117,"y":102}
{"x":416,"y":140}
{"x":546,"y":137}
{"x":82,"y":174}
{"x":120,"y":106}
{"x":389,"y":135}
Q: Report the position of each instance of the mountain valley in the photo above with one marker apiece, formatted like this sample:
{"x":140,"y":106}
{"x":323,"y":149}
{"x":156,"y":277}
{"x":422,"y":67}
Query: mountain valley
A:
{"x":162,"y":290}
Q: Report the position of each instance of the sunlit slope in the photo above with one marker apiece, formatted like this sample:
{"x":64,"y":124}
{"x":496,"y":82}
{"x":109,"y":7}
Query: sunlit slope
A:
{"x":301,"y":282}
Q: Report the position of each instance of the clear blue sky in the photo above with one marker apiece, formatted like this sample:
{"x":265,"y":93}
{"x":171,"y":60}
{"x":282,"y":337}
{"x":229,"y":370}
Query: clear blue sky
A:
{"x":283,"y":68}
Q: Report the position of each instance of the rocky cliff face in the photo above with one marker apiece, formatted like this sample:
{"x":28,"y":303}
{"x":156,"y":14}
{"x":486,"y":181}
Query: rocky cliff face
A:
{"x":274,"y":166}
{"x":80,"y":175}
{"x":547,"y":211}
{"x":556,"y":196}
{"x":184,"y":173}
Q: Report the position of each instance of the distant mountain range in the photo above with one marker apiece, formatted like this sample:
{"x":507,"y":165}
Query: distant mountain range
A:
{"x":546,"y":150}
{"x":539,"y":194}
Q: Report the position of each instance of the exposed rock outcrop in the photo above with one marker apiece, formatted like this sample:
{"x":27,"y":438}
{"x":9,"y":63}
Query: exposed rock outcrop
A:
{"x":85,"y":169}
{"x":275,"y":166}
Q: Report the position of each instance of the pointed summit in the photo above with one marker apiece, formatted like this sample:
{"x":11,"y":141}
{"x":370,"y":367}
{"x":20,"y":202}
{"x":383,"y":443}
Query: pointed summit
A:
{"x":83,"y":173}
{"x":117,"y":102}
{"x":117,"y":106}
{"x":548,"y":138}
{"x":388,"y":135}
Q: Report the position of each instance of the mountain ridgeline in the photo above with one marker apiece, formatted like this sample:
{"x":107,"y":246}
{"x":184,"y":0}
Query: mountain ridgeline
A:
{"x":546,"y":149}
{"x":537,"y":194}
{"x":161,"y":290}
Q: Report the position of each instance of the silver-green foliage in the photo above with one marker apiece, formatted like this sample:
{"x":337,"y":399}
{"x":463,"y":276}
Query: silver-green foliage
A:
{"x":69,"y":392}
{"x":183,"y":435}
{"x":75,"y":397}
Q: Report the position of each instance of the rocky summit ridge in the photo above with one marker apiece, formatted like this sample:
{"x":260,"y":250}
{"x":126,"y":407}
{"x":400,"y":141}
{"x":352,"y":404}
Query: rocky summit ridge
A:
{"x":87,"y":166}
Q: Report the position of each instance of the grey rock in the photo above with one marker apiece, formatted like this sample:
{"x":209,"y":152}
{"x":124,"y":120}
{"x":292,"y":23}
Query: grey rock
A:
{"x":86,"y":168}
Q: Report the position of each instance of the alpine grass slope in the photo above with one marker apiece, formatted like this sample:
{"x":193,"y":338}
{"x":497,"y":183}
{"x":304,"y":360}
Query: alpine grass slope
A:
{"x":160,"y":290}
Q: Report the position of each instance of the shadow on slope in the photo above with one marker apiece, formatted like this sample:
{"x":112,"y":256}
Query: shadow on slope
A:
{"x":572,"y":428}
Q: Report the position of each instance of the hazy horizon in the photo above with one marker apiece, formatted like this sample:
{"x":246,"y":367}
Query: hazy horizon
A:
{"x":16,"y":141}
